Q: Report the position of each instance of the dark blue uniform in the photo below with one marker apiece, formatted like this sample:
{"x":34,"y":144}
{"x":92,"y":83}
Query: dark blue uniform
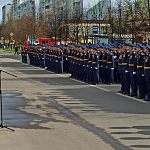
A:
{"x":147,"y":76}
{"x":110,"y":68}
{"x":140,"y":75}
{"x":95,"y":69}
{"x":132,"y":67}
{"x":126,"y":75}
{"x":104,"y":68}
{"x":121,"y":72}
{"x":24,"y":55}
{"x":100,"y":66}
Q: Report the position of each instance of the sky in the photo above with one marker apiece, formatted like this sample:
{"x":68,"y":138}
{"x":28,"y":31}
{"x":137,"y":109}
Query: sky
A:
{"x":87,"y":3}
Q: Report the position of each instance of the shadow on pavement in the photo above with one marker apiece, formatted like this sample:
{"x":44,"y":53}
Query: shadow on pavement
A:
{"x":14,"y":117}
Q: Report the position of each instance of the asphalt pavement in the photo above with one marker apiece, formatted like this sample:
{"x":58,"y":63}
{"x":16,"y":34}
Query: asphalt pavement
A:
{"x":111,"y":120}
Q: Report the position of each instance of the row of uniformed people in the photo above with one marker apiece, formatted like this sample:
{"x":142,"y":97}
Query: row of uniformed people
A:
{"x":91,"y":65}
{"x":130,"y":65}
{"x":54,"y":59}
{"x":35,"y":56}
{"x":24,"y":55}
{"x":84,"y":65}
{"x":108,"y":66}
{"x":88,"y":65}
{"x":134,"y":69}
{"x":47,"y":57}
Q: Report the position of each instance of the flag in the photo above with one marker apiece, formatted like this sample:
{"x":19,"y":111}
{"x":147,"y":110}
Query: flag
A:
{"x":27,"y":42}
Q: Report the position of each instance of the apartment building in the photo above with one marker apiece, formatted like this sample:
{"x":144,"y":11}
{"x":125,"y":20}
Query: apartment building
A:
{"x":6,"y":13}
{"x":23,"y":8}
{"x":67,"y":9}
{"x":99,"y":10}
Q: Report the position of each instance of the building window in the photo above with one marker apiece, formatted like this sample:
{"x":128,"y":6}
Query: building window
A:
{"x":47,"y":7}
{"x":76,"y":4}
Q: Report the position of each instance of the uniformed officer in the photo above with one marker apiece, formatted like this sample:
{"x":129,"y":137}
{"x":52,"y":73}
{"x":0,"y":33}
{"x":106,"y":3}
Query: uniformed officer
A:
{"x":100,"y":51}
{"x":140,"y":75}
{"x":110,"y":68}
{"x":132,"y":66}
{"x":115,"y":64}
{"x":121,"y":71}
{"x":66,"y":55}
{"x":104,"y":67}
{"x":82,"y":66}
{"x":86,"y":65}
{"x":89,"y":67}
{"x":30,"y":54}
{"x":60,"y":61}
{"x":125,"y":69}
{"x":24,"y":54}
{"x":95,"y":68}
{"x":147,"y":75}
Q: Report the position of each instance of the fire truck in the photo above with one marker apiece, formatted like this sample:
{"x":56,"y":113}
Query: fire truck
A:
{"x":41,"y":41}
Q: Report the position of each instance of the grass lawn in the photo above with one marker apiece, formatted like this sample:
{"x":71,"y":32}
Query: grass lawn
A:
{"x":9,"y":50}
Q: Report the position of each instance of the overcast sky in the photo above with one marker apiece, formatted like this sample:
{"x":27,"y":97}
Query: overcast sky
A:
{"x":87,"y":3}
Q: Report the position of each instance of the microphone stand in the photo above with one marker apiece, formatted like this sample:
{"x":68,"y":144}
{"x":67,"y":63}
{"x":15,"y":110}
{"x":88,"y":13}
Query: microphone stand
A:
{"x":1,"y":101}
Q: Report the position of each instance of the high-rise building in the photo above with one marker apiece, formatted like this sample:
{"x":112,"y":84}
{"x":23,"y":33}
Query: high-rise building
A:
{"x":73,"y":9}
{"x":47,"y":7}
{"x":99,"y":10}
{"x":23,"y":8}
{"x":6,"y":13}
{"x":65,"y":8}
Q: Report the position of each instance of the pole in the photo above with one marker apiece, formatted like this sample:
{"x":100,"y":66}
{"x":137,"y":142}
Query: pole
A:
{"x":66,"y":21}
{"x":100,"y":16}
{"x":148,"y":1}
{"x":1,"y":100}
{"x":110,"y":18}
{"x":55,"y":23}
{"x":120,"y":18}
{"x":55,"y":30}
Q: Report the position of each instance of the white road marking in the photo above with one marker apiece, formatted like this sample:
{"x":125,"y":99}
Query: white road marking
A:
{"x":61,"y":75}
{"x":103,"y":89}
{"x":133,"y":98}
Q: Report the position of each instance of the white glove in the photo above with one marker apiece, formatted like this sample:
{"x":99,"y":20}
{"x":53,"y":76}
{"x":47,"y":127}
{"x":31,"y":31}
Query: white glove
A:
{"x":134,"y":73}
{"x":115,"y":57}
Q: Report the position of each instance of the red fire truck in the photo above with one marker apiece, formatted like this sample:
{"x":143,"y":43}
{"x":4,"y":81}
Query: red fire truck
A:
{"x":41,"y":41}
